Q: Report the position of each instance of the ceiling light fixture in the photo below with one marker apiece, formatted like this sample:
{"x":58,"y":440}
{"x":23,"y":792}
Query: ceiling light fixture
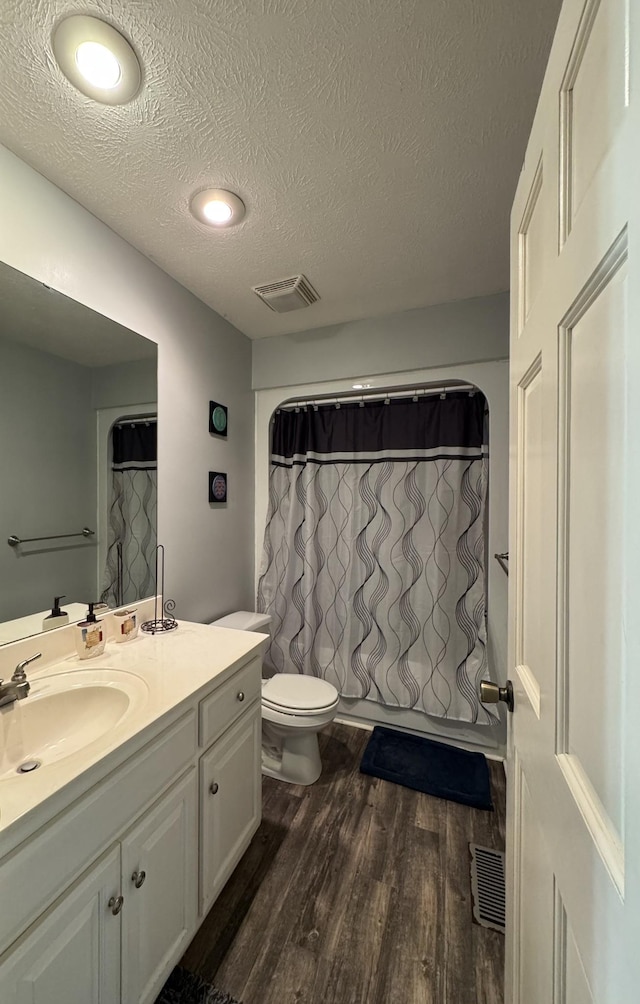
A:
{"x":217,"y":208}
{"x":360,"y":386}
{"x":97,"y":59}
{"x":98,"y":65}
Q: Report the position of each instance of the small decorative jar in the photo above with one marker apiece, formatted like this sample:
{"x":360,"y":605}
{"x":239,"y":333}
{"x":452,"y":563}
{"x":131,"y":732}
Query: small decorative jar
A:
{"x":125,"y":624}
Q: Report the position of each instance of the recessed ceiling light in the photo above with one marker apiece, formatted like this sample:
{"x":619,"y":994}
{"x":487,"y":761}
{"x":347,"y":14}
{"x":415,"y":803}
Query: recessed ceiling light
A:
{"x":360,"y":386}
{"x":217,"y":208}
{"x":98,"y":65}
{"x":97,"y":59}
{"x":217,"y":211}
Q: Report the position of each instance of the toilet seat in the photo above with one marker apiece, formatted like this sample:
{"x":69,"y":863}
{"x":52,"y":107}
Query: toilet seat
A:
{"x":291,"y":693}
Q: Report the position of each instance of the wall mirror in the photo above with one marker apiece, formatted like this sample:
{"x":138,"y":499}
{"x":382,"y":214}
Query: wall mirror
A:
{"x":78,"y":414}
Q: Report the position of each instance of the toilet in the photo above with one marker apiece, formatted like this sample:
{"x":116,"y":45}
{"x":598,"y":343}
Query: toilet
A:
{"x":294,"y":709}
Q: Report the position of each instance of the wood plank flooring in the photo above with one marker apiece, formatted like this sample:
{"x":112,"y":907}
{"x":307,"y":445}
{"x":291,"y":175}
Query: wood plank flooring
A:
{"x":355,"y":891}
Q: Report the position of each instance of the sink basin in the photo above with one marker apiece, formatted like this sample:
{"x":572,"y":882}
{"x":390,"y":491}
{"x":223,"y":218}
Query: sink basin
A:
{"x":64,"y":714}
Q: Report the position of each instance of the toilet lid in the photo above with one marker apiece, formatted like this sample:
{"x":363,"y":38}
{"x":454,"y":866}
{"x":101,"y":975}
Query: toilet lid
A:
{"x":305,"y":694}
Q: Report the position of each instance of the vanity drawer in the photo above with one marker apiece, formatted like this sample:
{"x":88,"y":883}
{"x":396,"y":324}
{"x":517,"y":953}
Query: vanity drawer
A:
{"x":227,"y":702}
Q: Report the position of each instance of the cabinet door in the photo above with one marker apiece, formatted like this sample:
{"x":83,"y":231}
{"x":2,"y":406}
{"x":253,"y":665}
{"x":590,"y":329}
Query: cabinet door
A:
{"x":72,"y":954}
{"x":159,"y":888}
{"x":231,"y":799}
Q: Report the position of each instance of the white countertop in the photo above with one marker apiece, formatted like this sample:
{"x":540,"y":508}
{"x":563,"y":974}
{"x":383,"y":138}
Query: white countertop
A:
{"x":174,"y":668}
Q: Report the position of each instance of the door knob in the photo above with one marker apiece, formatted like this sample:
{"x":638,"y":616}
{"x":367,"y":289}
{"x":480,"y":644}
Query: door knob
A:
{"x":115,"y":904}
{"x":491,"y":693}
{"x":240,"y":695}
{"x":213,"y":788}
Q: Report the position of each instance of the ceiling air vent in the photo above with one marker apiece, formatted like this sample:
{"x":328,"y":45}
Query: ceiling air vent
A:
{"x":288,"y":294}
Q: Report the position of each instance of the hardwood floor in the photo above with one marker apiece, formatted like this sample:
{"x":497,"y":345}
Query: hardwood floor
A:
{"x":355,"y":891}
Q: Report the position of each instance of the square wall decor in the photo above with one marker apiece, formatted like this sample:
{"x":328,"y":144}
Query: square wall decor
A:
{"x":218,"y":418}
{"x":217,"y":486}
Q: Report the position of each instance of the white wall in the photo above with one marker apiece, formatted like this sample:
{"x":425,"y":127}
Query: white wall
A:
{"x":466,"y":331}
{"x":493,"y":379}
{"x":47,"y":235}
{"x":124,"y":383}
{"x":48,"y":465}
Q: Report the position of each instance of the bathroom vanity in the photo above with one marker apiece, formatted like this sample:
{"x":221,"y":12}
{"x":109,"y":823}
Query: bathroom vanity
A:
{"x":112,"y":854}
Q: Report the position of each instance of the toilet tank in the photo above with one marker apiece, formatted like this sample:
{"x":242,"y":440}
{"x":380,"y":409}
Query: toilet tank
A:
{"x":245,"y":620}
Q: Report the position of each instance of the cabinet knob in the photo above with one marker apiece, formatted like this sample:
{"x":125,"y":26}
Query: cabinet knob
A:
{"x":138,"y":878}
{"x":241,"y":695}
{"x":115,"y":904}
{"x":213,"y":787}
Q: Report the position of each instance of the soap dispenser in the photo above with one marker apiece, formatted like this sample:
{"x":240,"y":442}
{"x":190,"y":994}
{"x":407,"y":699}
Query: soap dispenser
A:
{"x":57,"y":617}
{"x":91,"y":637}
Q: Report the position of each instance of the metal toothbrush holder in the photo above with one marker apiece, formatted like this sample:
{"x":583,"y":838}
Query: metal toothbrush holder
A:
{"x":166,"y":621}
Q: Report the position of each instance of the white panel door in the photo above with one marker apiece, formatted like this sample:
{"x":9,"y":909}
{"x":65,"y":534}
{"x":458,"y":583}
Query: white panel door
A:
{"x":159,"y":883}
{"x":71,"y":955}
{"x":574,"y":759}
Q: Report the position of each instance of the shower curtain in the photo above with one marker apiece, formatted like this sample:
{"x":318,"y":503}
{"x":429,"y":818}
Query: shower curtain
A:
{"x":130,"y":563}
{"x":373,"y":567}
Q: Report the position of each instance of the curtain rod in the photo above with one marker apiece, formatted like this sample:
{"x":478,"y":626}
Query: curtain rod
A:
{"x":151,"y":420}
{"x":379,"y":395}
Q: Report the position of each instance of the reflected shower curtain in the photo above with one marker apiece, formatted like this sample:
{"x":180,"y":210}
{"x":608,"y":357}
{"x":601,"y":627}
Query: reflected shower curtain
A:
{"x":373,"y":567}
{"x":131,"y":542}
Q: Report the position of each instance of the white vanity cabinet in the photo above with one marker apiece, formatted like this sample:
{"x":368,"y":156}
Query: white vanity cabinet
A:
{"x":230,"y":729}
{"x":230,"y":787}
{"x":159,"y":890}
{"x":117,"y":873}
{"x":72,"y":954}
{"x":115,"y":933}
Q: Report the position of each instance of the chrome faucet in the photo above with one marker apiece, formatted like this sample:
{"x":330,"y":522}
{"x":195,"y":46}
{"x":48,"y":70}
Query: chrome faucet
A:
{"x":18,"y":687}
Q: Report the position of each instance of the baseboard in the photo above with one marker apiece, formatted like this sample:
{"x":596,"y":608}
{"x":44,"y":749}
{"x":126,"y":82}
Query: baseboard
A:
{"x":464,"y":744}
{"x":354,"y":723}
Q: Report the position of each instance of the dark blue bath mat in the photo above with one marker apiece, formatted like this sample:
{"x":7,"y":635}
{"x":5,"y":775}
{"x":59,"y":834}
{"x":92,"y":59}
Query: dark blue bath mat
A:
{"x":434,"y":768}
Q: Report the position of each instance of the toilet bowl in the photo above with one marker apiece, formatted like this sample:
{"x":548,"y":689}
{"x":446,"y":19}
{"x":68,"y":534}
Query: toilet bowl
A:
{"x":294,"y":709}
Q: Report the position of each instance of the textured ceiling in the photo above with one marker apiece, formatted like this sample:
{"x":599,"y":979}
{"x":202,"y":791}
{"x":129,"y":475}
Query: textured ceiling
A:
{"x":375,"y":143}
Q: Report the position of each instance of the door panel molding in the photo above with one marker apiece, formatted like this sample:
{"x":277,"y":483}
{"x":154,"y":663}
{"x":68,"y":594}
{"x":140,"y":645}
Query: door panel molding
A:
{"x":603,"y":833}
{"x":530,"y":247}
{"x":529,"y":388}
{"x":596,"y":747}
{"x":593,"y":95}
{"x":570,"y":983}
{"x":530,"y":686}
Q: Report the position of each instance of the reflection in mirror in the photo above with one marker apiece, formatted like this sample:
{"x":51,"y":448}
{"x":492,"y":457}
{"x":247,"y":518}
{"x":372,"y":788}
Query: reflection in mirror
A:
{"x":78,"y":399}
{"x":131,"y":536}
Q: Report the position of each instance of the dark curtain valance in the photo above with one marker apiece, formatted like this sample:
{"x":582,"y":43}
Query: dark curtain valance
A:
{"x":135,"y":443}
{"x":428,"y":424}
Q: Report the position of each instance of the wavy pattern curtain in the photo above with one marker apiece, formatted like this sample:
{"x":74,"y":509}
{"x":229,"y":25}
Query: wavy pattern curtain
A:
{"x":130,"y":565}
{"x":373,"y":567}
